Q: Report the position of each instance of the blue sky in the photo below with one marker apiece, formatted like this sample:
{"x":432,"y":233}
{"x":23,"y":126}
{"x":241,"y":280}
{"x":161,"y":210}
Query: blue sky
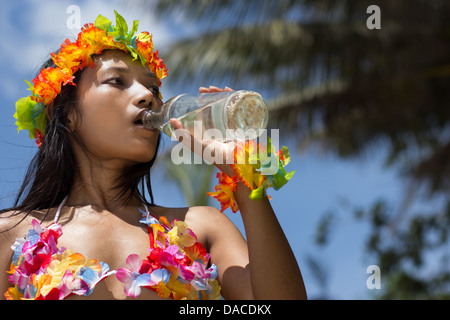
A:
{"x":32,"y":29}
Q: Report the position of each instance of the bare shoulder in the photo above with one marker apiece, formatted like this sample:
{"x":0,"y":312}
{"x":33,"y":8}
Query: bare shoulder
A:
{"x":208,"y":216}
{"x":208,"y":223}
{"x":198,"y":216}
{"x":12,"y":225}
{"x":214,"y":224}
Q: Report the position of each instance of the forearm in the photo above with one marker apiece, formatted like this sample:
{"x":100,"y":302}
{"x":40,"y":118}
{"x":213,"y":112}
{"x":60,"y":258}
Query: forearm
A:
{"x":274,"y":270}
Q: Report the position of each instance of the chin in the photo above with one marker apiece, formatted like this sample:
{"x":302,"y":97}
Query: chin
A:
{"x":141,"y":150}
{"x":142,"y":157}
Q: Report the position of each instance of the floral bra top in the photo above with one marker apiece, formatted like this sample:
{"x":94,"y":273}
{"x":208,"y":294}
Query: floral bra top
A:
{"x":176,"y":267}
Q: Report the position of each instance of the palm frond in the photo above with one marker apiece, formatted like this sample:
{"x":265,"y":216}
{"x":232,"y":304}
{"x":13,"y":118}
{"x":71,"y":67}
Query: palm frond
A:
{"x":395,"y":78}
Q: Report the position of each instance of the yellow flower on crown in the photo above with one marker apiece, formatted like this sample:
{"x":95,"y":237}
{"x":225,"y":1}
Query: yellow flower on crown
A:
{"x":74,"y":56}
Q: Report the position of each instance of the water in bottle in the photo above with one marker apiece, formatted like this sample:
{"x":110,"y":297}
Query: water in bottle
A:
{"x":234,"y":115}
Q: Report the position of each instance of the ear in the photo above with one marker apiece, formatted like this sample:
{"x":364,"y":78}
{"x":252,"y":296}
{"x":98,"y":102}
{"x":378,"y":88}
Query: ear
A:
{"x":72,"y":118}
{"x":49,"y":111}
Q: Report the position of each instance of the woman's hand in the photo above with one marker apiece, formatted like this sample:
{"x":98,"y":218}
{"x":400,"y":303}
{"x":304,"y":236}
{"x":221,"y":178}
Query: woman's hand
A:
{"x":213,"y":89}
{"x":215,"y":152}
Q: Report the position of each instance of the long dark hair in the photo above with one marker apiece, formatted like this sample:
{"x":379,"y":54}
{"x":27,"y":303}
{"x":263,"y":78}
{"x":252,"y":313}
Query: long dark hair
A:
{"x":51,"y":172}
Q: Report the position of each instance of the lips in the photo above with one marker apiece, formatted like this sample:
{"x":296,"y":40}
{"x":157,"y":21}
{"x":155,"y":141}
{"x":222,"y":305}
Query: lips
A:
{"x":138,"y":122}
{"x":138,"y":119}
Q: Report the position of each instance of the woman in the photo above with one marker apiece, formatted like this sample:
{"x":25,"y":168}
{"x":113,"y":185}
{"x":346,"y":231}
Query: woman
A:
{"x":85,"y":191}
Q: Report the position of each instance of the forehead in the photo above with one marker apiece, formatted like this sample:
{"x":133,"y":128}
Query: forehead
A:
{"x":121,"y":61}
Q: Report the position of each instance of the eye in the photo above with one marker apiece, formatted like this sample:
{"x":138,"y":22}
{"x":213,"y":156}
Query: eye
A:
{"x":154,"y":90}
{"x":115,"y":81}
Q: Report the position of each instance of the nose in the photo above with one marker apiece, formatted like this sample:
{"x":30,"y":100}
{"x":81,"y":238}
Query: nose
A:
{"x":143,"y":97}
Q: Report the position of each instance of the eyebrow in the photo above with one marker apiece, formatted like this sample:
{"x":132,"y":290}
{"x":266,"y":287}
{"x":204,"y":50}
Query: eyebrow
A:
{"x":126,"y":70}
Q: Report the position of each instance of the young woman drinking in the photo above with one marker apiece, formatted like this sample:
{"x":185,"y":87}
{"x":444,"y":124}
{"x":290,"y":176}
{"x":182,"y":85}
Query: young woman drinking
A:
{"x":82,"y":226}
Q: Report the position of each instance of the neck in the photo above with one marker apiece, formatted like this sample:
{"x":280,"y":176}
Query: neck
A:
{"x":95,"y":184}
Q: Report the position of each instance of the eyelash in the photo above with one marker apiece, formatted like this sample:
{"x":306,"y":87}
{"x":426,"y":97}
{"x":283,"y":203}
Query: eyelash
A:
{"x":119,"y":81}
{"x":154,"y":90}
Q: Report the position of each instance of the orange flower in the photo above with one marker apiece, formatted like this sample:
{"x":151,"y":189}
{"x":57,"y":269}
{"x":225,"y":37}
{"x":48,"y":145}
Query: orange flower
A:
{"x":144,"y":46}
{"x":173,"y":289}
{"x":224,"y":192}
{"x":68,"y":57}
{"x":197,"y":251}
{"x":245,"y":163}
{"x":160,"y":70}
{"x":94,"y":41}
{"x":47,"y":85}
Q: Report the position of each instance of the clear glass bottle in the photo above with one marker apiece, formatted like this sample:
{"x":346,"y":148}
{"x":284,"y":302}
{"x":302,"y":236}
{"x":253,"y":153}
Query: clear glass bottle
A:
{"x":234,"y":115}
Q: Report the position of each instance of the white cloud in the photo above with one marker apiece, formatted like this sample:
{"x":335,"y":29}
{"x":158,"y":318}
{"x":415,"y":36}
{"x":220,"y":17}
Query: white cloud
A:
{"x":33,"y":29}
{"x":39,"y":27}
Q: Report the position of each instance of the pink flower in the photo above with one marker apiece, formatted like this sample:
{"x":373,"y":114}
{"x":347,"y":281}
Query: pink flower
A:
{"x":134,"y":280}
{"x":72,"y":285}
{"x":173,"y":257}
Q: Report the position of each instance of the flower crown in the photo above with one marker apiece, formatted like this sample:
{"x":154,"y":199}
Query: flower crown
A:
{"x":31,"y":112}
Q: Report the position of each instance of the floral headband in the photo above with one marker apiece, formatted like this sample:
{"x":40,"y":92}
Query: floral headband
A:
{"x":31,"y":112}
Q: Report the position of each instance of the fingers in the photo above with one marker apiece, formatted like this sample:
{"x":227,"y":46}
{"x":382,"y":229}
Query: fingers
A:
{"x":181,"y":134}
{"x":176,"y":124}
{"x":213,"y":89}
{"x":212,"y":151}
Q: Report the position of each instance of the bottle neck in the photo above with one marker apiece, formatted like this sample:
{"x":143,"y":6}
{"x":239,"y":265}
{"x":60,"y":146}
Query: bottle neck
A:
{"x":153,"y":119}
{"x":158,"y":117}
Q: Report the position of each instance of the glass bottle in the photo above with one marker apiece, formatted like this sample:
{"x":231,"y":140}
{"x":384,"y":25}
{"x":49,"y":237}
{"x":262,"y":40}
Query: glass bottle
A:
{"x":233,"y":115}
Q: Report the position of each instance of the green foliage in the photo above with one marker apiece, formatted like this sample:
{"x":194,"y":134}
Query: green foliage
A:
{"x":413,"y":256}
{"x":331,"y":81}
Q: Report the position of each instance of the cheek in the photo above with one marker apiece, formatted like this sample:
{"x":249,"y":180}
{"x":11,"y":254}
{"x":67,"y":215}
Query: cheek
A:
{"x":101,"y":126}
{"x":106,"y":128}
{"x":108,"y":135}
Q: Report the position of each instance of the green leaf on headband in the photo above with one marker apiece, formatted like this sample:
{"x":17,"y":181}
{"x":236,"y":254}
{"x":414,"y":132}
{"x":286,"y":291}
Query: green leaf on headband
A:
{"x":134,"y":54}
{"x":39,"y":117}
{"x":121,"y":24}
{"x":30,"y":115}
{"x":134,"y":29}
{"x":30,"y":85}
{"x":24,"y":109}
{"x":103,"y":23}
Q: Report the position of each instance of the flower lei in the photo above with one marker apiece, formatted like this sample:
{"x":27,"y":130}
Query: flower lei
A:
{"x":74,"y":56}
{"x":176,"y":266}
{"x":258,"y":168}
{"x":41,"y":271}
